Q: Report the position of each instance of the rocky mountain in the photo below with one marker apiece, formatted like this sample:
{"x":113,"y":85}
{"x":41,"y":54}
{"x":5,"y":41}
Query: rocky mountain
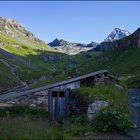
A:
{"x":130,"y":41}
{"x":75,"y":48}
{"x":71,"y":48}
{"x":17,"y":31}
{"x":117,"y":34}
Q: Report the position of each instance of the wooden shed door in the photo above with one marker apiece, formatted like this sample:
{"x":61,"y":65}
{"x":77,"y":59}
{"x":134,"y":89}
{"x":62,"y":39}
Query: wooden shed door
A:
{"x":59,"y":105}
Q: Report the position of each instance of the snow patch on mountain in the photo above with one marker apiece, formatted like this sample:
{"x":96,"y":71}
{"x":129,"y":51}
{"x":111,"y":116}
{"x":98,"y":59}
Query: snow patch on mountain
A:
{"x":116,"y":34}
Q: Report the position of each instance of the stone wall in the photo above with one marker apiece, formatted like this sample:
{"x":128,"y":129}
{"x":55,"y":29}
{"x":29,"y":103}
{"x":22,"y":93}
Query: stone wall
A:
{"x":38,"y":99}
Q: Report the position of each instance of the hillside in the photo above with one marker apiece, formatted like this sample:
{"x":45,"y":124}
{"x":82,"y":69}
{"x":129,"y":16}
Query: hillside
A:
{"x":26,"y":60}
{"x":124,"y":64}
{"x":25,"y":52}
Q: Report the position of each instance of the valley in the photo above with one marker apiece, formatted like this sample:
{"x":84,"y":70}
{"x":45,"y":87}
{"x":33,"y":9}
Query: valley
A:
{"x":29,"y":65}
{"x":38,"y":64}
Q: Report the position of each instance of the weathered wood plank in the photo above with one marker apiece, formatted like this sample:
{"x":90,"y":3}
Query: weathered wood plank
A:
{"x":58,"y":104}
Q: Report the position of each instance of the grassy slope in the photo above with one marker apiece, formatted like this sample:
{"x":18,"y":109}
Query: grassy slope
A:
{"x":31,"y":54}
{"x":124,"y":64}
{"x":63,"y":71}
{"x":127,"y":66}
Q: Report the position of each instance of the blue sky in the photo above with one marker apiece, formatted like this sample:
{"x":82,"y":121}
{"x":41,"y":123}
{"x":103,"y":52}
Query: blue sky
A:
{"x":79,"y":21}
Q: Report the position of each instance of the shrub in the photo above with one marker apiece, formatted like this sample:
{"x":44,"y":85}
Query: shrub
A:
{"x":110,"y":120}
{"x":78,"y":120}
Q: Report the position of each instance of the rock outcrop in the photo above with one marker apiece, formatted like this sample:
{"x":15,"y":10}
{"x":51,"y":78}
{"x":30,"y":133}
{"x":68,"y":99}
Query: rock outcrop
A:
{"x":95,"y":108}
{"x":38,"y":99}
{"x":16,"y":30}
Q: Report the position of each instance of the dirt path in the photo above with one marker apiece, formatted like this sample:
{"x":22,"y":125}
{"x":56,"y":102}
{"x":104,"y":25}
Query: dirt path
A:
{"x":134,"y":95}
{"x":13,"y":71}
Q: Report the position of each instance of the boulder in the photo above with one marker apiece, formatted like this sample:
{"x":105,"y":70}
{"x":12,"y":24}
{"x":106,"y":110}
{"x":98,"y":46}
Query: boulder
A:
{"x":94,"y":108}
{"x":2,"y":43}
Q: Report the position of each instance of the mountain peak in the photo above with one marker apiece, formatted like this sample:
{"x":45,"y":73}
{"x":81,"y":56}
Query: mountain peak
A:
{"x":92,"y":44}
{"x":58,"y":42}
{"x":56,"y":39}
{"x":118,"y":28}
{"x":117,"y":34}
